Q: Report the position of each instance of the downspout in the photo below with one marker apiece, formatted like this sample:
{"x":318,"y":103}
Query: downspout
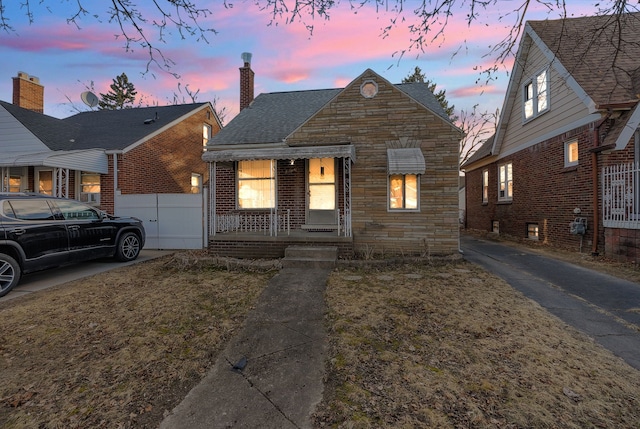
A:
{"x":594,"y":184}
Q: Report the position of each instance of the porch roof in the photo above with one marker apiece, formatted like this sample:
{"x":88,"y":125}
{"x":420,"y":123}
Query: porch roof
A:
{"x":299,"y":152}
{"x":94,"y":160}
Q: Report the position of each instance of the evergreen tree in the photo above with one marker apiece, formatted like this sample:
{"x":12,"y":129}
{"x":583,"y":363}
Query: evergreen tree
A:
{"x":418,"y":76}
{"x":121,"y":96}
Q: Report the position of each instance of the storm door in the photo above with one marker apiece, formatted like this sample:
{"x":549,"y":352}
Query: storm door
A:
{"x":321,"y":191}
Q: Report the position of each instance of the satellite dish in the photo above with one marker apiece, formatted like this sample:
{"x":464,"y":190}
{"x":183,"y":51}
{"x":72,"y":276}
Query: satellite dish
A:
{"x":89,"y":98}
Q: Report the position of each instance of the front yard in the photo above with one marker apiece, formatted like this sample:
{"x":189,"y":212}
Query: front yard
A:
{"x":443,"y":345}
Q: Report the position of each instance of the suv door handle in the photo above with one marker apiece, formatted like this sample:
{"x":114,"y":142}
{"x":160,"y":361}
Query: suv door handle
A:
{"x":18,"y":231}
{"x":73,"y":227}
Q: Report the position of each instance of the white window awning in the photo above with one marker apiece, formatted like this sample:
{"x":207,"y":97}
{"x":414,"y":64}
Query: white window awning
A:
{"x":305,"y":152}
{"x":405,"y":161}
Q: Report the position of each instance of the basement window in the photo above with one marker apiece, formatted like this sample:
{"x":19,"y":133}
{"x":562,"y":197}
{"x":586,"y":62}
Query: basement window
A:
{"x":532,"y":231}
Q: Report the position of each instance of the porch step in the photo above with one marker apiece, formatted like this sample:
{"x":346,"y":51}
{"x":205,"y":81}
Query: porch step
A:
{"x":310,"y":257}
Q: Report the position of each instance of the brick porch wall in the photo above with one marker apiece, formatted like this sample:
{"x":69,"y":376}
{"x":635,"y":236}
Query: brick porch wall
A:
{"x":268,"y":249}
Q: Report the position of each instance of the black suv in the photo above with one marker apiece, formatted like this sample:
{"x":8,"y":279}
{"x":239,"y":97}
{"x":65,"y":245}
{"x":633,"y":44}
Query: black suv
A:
{"x":39,"y":232}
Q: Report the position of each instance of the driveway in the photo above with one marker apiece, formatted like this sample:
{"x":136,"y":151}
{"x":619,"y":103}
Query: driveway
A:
{"x":41,"y":280}
{"x":602,"y":306}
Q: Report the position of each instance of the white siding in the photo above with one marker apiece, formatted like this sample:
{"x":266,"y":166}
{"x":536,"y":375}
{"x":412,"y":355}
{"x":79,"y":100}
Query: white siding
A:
{"x":15,"y":138}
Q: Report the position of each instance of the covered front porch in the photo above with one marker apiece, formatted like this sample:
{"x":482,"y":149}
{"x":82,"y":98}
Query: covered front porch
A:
{"x":266,"y":199}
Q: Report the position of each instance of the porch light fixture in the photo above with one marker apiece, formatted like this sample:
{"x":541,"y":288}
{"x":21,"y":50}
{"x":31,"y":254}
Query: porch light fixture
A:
{"x":292,"y":161}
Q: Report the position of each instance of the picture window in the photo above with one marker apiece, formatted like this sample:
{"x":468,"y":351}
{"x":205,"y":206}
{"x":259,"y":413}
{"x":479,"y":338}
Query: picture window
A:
{"x":256,"y":184}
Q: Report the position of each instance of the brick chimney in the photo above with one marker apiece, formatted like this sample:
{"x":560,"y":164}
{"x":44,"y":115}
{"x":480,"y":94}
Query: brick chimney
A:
{"x":28,"y":93}
{"x":246,"y":81}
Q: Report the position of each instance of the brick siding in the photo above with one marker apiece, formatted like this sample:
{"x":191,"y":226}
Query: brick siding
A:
{"x":545,"y":192}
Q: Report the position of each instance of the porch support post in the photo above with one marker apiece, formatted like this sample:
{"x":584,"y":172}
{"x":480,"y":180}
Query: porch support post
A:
{"x":346,"y":183}
{"x":61,"y":182}
{"x":4,"y":179}
{"x":212,"y":198}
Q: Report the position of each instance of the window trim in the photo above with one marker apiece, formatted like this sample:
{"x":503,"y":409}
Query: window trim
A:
{"x":404,"y":199}
{"x":567,"y":153}
{"x":535,"y":95}
{"x":508,"y":179}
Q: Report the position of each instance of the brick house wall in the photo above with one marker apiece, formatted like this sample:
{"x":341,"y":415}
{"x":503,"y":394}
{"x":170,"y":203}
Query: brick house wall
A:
{"x":163,"y":164}
{"x":370,"y":125}
{"x":545,"y":192}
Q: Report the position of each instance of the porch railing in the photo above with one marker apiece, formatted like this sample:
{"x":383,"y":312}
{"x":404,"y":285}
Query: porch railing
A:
{"x":262,"y":223}
{"x":620,"y":202}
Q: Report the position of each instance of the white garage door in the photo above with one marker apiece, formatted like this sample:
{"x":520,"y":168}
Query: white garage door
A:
{"x":171,"y":221}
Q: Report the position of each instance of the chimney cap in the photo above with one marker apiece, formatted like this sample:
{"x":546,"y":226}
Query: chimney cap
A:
{"x":246,"y":57}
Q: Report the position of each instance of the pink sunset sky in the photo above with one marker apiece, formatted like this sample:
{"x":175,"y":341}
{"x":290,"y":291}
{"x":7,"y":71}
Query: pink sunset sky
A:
{"x":286,"y":57}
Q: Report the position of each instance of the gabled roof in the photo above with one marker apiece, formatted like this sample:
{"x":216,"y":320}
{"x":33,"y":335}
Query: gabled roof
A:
{"x":120,"y":129}
{"x":598,"y":56}
{"x":272,"y":117}
{"x":482,"y":152}
{"x":52,"y":132}
{"x":101,"y":129}
{"x":602,"y":53}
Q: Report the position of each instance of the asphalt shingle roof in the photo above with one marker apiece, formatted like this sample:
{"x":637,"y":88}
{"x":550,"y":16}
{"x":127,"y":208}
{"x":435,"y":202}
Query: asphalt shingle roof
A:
{"x":272,"y":117}
{"x":602,"y":53}
{"x":100,"y":129}
{"x":117,"y":129}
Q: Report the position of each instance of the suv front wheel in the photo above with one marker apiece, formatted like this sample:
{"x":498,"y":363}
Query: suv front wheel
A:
{"x":9,"y":273}
{"x":128,"y":247}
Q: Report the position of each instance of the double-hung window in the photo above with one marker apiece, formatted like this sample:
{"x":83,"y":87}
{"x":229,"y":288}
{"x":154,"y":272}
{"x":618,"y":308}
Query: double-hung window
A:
{"x":404,"y":167}
{"x":505,"y":182}
{"x":256,"y":184}
{"x":403,"y":192}
{"x":536,"y":95}
{"x":485,"y":186}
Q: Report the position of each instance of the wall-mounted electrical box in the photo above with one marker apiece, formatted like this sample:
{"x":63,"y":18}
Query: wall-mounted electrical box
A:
{"x":578,"y":226}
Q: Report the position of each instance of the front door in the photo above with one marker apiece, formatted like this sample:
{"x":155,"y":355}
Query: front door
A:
{"x":321,"y":191}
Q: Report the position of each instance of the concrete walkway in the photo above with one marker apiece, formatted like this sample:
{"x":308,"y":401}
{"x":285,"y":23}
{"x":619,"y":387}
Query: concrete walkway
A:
{"x":604,"y":307}
{"x":279,"y":357}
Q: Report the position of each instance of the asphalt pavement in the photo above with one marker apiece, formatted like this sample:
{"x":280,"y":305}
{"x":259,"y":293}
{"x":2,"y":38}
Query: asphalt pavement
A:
{"x":604,"y":307}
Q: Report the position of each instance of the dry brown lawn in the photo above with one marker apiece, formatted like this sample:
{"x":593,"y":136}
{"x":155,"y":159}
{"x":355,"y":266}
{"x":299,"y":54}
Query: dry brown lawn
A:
{"x":420,"y":345}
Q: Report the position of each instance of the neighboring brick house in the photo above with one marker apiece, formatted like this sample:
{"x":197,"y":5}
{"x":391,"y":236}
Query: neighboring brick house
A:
{"x":371,"y":168}
{"x":562,"y":167}
{"x":151,"y":150}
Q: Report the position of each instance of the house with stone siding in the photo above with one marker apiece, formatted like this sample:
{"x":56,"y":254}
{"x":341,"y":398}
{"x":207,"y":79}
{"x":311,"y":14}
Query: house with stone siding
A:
{"x":94,"y":155}
{"x":371,"y":169}
{"x":562,"y":167}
